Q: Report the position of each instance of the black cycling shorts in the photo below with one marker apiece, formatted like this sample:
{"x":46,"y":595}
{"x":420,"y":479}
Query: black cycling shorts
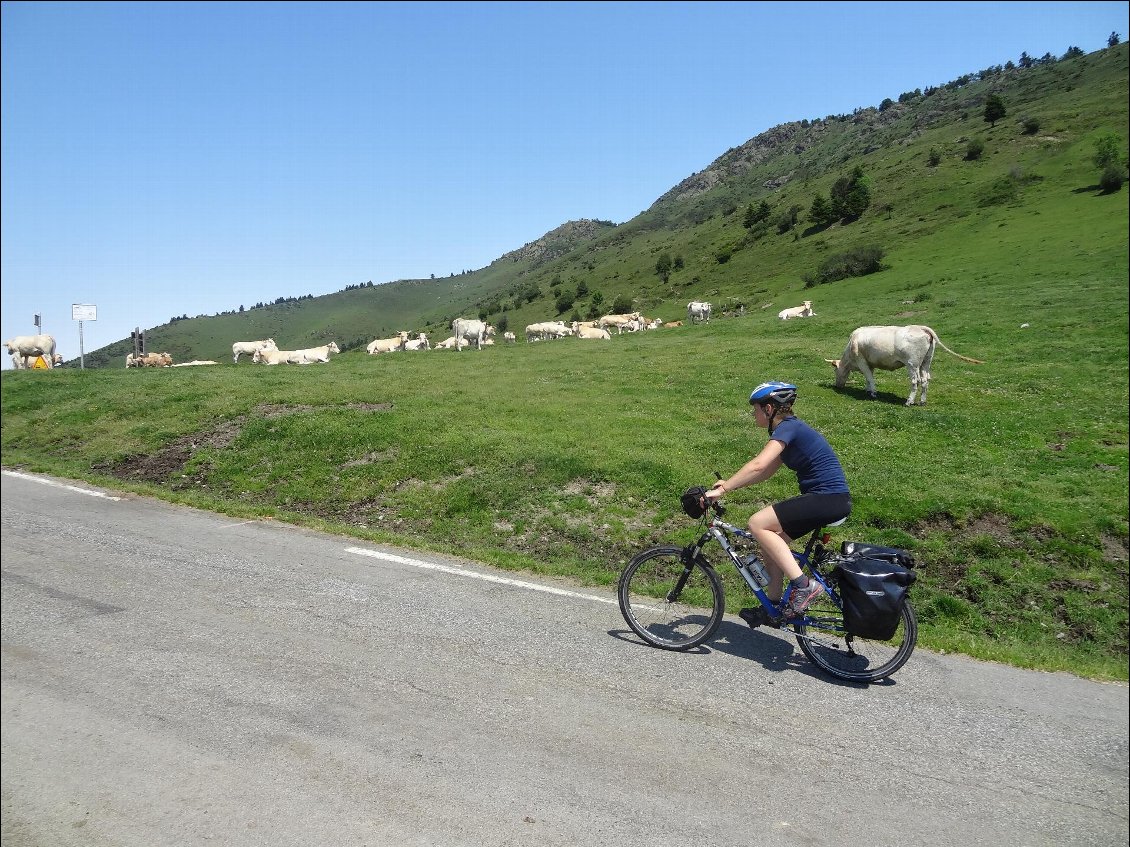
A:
{"x":800,"y":515}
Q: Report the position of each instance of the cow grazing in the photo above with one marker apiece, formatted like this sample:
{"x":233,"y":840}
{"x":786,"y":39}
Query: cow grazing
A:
{"x":387,"y":345}
{"x":889,"y":348}
{"x":804,"y":311}
{"x":621,"y":322}
{"x":249,"y":347}
{"x":509,"y":337}
{"x":697,"y":311}
{"x":312,"y":355}
{"x":28,"y":347}
{"x":471,"y":330}
{"x":547,"y":329}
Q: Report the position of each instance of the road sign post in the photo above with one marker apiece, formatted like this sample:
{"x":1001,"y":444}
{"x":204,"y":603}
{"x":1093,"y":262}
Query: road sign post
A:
{"x":82,"y":312}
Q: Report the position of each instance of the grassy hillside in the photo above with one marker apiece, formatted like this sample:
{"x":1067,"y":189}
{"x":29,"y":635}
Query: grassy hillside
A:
{"x":565,"y":457}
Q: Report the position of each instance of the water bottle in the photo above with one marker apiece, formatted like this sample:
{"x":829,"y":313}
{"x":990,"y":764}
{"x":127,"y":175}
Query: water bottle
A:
{"x":756,"y":569}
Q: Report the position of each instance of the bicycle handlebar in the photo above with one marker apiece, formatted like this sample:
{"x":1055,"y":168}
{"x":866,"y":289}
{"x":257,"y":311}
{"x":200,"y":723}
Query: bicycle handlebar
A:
{"x":716,"y":504}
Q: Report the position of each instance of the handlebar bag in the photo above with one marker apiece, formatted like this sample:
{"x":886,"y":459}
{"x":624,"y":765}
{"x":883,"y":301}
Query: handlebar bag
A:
{"x":873,"y":592}
{"x":693,"y":504}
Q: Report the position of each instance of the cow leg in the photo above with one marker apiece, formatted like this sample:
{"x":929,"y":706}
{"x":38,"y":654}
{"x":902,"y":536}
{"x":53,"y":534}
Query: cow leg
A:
{"x":912,"y":374}
{"x":869,"y":375}
{"x":924,"y":383}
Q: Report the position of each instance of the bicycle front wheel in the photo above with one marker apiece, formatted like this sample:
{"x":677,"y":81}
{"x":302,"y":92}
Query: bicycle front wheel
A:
{"x":823,"y":639}
{"x":668,"y":603}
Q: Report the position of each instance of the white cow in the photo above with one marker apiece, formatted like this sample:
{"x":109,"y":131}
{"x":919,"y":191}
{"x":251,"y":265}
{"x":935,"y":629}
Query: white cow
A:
{"x":312,"y":355}
{"x":194,"y":363}
{"x":387,"y":345}
{"x":420,"y":343}
{"x":697,"y":311}
{"x":509,"y":337}
{"x":804,"y":311}
{"x":591,"y":332}
{"x":249,"y":347}
{"x":621,"y":322}
{"x":446,"y":344}
{"x":889,"y":348}
{"x":547,"y":329}
{"x":28,"y":347}
{"x":471,"y":329}
{"x":272,"y":357}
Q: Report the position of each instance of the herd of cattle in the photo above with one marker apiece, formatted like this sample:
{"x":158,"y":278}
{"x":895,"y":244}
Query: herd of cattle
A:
{"x":869,"y":348}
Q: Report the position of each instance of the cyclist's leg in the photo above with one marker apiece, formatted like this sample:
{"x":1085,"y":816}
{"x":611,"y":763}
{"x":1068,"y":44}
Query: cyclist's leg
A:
{"x":775,"y":549}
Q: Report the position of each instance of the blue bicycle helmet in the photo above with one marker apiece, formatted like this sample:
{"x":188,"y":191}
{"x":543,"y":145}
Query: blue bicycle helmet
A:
{"x":780,"y":393}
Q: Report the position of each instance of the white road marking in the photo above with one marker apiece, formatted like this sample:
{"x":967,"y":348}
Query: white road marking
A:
{"x":517,"y":583}
{"x":62,"y":485}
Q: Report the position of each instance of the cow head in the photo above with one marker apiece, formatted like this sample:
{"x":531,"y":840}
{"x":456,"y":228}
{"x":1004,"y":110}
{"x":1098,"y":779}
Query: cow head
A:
{"x":841,"y":372}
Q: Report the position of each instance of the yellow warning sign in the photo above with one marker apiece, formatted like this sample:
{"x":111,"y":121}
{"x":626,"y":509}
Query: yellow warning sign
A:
{"x":40,"y":364}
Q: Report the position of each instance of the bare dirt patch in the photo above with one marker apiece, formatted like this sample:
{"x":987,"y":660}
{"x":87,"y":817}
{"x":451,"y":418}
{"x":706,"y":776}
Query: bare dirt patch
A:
{"x":169,"y":462}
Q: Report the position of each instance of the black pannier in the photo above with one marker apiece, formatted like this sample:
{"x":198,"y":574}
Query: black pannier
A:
{"x":873,"y":583}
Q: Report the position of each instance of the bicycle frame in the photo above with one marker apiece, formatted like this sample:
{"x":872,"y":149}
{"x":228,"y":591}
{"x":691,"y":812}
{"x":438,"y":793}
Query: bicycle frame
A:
{"x":721,"y":531}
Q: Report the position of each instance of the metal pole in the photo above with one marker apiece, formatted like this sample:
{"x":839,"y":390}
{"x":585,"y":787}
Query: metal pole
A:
{"x":81,"y":358}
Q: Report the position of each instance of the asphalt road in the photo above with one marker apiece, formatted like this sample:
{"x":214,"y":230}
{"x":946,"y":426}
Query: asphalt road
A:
{"x":175,"y":677}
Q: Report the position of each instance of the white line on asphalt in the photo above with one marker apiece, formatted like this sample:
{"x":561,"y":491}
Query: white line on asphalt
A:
{"x":417,"y":563}
{"x":61,"y":485}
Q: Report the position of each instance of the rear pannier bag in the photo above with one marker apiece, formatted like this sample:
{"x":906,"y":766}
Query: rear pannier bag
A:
{"x":873,"y":589}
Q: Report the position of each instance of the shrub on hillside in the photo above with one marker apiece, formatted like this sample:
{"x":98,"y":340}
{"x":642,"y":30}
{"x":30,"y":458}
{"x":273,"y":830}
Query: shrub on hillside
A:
{"x":621,"y":305}
{"x":1112,"y":179}
{"x":860,"y":261}
{"x":974,"y":149}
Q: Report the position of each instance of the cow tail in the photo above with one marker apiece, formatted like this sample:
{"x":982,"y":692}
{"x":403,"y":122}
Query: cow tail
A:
{"x":952,"y":353}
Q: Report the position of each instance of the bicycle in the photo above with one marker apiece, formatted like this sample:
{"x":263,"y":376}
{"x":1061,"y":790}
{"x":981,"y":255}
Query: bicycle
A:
{"x":673,"y":598}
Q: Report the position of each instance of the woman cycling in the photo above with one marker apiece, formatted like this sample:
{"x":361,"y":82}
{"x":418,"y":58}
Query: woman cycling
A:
{"x":824,"y":496}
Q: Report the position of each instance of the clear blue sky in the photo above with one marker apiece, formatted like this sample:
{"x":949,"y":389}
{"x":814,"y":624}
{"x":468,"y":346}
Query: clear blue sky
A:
{"x":168,"y":159}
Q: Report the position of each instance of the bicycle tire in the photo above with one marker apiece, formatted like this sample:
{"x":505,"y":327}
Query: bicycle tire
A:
{"x":658,"y":615}
{"x":824,"y":640}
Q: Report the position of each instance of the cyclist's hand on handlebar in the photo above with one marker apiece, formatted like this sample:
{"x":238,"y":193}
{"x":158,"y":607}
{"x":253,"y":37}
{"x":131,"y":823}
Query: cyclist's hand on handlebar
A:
{"x":716,"y":491}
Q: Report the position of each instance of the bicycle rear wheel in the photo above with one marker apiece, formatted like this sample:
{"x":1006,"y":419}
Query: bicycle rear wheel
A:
{"x":823,"y":639}
{"x":668,"y":604}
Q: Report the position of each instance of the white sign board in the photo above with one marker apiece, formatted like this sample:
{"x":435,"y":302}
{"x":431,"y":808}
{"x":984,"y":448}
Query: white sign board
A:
{"x":83,"y":312}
